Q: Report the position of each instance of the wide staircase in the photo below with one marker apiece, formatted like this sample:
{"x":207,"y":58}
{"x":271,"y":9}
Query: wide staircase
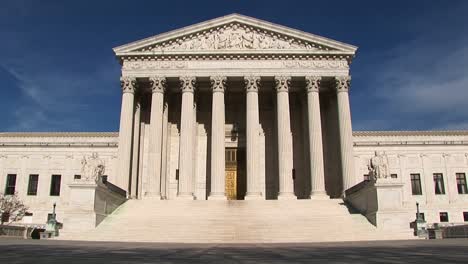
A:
{"x":236,"y":222}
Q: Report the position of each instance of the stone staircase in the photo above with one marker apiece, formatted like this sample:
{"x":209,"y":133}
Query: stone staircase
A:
{"x":277,"y":221}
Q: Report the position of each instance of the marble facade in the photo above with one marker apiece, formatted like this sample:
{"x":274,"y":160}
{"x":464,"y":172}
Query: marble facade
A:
{"x":278,"y":96}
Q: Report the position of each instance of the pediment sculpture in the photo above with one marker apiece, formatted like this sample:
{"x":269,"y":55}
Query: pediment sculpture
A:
{"x":234,"y":37}
{"x":378,"y":166}
{"x":92,"y":167}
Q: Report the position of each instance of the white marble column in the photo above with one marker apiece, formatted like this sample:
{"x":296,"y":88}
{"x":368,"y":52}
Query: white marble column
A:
{"x":286,"y":182}
{"x":252,"y":83}
{"x":317,"y":174}
{"x":346,"y":131}
{"x":157,"y":86}
{"x":218,"y":85}
{"x":136,"y":148}
{"x":186,"y":147}
{"x":125,"y":131}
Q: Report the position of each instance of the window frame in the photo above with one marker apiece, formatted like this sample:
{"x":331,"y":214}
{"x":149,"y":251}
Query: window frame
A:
{"x":413,"y":181}
{"x":446,"y":215}
{"x":30,"y":190}
{"x":8,"y":185}
{"x":461,"y":183}
{"x":54,"y":190}
{"x":438,"y":177}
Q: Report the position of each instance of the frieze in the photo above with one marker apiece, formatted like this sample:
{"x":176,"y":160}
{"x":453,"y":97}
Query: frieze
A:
{"x":318,"y":64}
{"x":235,"y":36}
{"x":144,"y":65}
{"x":153,"y":65}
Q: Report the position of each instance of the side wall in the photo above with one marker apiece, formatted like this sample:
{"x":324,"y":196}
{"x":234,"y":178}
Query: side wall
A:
{"x":425,"y":153}
{"x":46,"y":154}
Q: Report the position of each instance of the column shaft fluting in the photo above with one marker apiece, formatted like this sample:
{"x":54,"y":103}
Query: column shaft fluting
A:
{"x":186,"y":147}
{"x":317,"y":174}
{"x":218,"y":85}
{"x":252,"y":84}
{"x":136,"y":148}
{"x":125,"y":131}
{"x":286,"y":182}
{"x":346,"y":132}
{"x":158,"y":86}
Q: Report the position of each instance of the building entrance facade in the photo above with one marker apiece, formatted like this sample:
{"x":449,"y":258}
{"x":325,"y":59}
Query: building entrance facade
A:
{"x":277,"y":94}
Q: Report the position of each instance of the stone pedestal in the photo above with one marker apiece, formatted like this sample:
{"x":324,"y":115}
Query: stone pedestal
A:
{"x":381,"y":202}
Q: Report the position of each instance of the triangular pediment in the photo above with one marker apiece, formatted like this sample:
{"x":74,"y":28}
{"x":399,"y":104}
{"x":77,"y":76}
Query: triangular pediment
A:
{"x":234,"y":34}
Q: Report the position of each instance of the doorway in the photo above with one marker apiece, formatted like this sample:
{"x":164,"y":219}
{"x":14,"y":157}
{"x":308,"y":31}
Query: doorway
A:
{"x":235,"y":183}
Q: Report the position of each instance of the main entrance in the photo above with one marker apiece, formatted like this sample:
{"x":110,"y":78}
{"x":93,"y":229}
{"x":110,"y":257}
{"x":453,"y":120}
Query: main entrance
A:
{"x":235,"y":174}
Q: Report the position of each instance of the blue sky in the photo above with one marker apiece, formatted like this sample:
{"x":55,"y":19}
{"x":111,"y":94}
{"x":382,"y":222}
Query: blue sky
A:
{"x":58,"y":71}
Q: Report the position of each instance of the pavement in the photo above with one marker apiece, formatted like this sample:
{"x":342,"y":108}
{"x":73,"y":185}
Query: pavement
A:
{"x":68,"y":252}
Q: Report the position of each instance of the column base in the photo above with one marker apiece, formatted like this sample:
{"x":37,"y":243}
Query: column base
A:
{"x":217,"y":197}
{"x":319,"y":196}
{"x":287,"y":196}
{"x":152,"y":196}
{"x":185,"y":196}
{"x":253,"y":196}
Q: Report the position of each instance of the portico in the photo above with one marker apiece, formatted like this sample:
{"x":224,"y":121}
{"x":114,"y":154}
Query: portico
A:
{"x":278,"y":95}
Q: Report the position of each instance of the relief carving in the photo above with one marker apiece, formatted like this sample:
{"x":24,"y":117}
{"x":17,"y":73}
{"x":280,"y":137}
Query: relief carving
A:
{"x":234,"y":37}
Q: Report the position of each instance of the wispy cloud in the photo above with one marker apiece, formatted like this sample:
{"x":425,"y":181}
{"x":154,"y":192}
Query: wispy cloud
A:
{"x":422,"y":83}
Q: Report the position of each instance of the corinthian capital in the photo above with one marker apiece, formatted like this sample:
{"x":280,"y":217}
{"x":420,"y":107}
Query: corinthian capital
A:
{"x":282,"y":83}
{"x":187,"y":83}
{"x":157,"y":84}
{"x":252,"y":83}
{"x":342,"y":83}
{"x":218,"y":83}
{"x":313,"y":83}
{"x":128,"y":84}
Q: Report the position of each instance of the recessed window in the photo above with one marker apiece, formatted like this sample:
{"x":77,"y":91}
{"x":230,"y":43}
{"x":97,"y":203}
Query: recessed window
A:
{"x":32,"y":185}
{"x":461,"y":183}
{"x":393,"y":175}
{"x":55,"y":185}
{"x":10,"y":184}
{"x":28,"y":214}
{"x":416,"y":184}
{"x":77,"y":177}
{"x":465,"y":216}
{"x":443,"y":217}
{"x":439,"y":187}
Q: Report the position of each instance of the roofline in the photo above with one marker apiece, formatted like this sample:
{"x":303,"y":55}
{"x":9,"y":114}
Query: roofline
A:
{"x":59,"y":134}
{"x":227,"y":19}
{"x":410,"y":133}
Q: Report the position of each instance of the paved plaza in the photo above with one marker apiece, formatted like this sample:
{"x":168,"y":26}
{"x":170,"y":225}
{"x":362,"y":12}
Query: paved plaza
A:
{"x":68,"y":252}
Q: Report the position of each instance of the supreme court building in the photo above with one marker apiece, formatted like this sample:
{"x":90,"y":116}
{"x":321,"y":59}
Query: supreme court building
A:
{"x":238,"y":130}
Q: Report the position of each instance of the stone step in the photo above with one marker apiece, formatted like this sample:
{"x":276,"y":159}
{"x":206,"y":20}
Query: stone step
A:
{"x":235,"y":222}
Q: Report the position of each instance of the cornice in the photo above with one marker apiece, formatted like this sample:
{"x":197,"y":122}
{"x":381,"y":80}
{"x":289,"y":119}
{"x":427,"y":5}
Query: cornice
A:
{"x":58,"y":134}
{"x":410,"y":133}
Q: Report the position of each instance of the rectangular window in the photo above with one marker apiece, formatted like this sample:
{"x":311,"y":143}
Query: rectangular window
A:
{"x":443,"y":217}
{"x":439,"y":187}
{"x":461,"y":183}
{"x":416,"y":184}
{"x":10,"y":184}
{"x":393,"y":175}
{"x":465,"y":216}
{"x":55,"y":185}
{"x":32,"y":186}
{"x":77,"y":177}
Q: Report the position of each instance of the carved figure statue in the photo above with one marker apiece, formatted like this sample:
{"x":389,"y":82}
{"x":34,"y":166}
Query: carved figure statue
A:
{"x":378,"y":167}
{"x":92,"y":167}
